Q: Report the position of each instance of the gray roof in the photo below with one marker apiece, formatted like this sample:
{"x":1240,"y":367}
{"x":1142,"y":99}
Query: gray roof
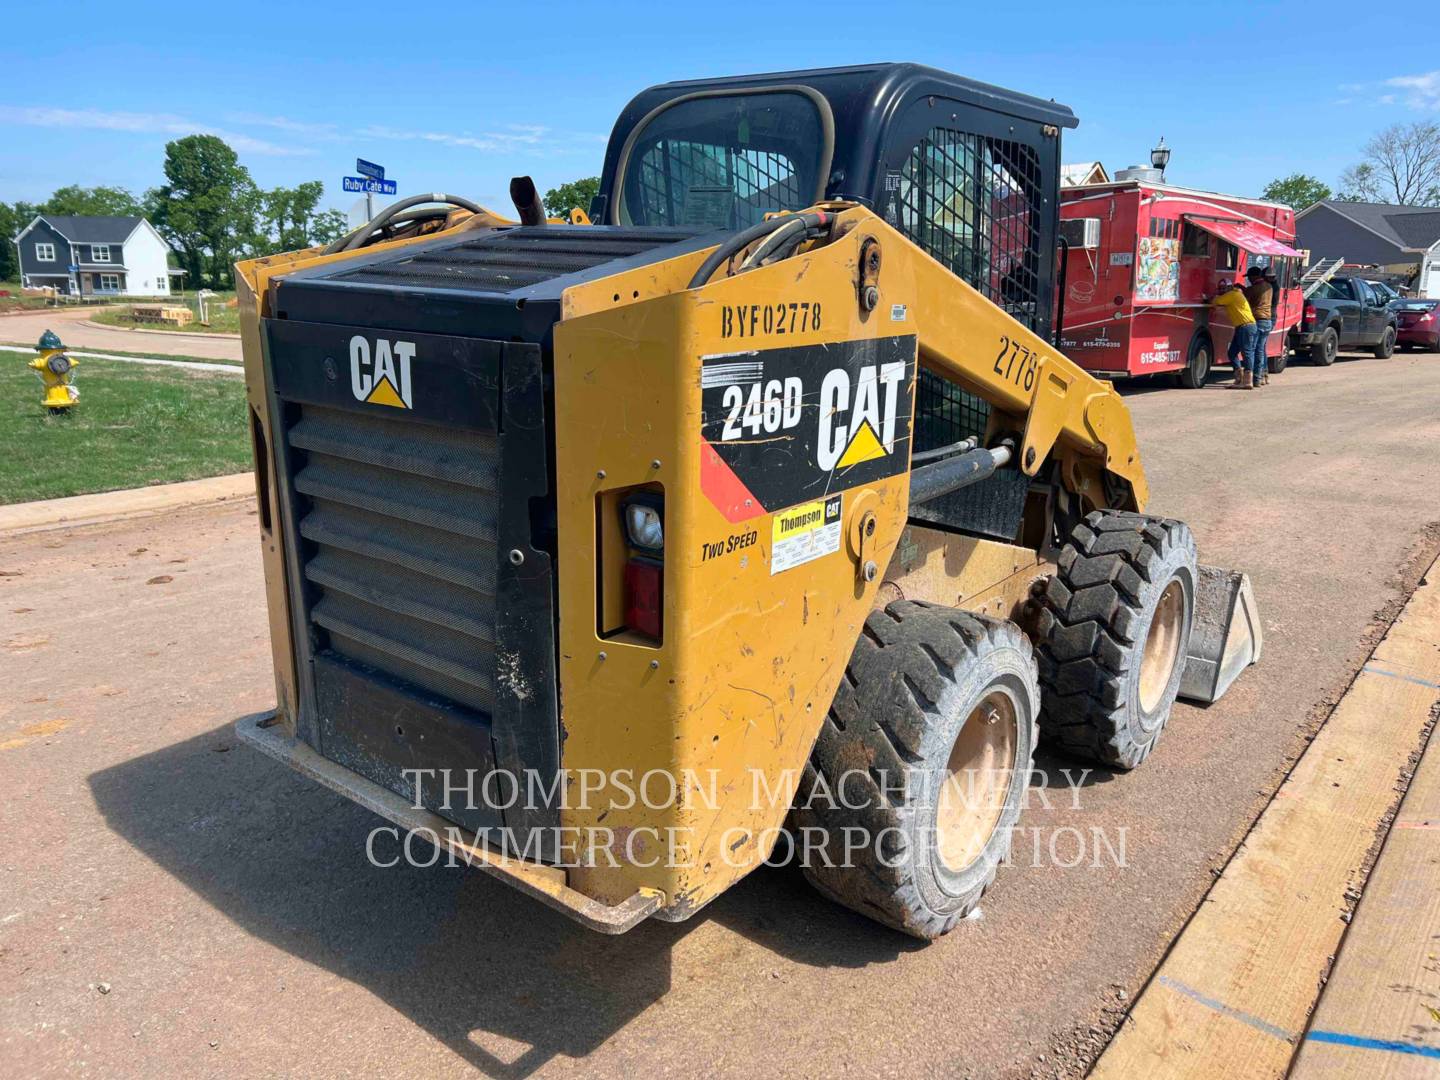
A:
{"x":93,"y":230}
{"x":1410,"y":228}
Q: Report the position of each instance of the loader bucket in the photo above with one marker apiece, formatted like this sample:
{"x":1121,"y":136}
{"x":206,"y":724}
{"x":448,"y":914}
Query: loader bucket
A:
{"x":1226,"y":637}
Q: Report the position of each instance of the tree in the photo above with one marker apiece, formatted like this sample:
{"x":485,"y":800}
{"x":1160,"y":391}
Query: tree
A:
{"x":328,"y":225}
{"x":1296,"y":190}
{"x":1401,"y":165}
{"x":208,"y":207}
{"x":13,"y":218}
{"x":289,"y":215}
{"x":93,"y":202}
{"x":559,"y":201}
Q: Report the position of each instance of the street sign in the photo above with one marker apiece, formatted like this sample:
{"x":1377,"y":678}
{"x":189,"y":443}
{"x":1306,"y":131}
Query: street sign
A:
{"x":72,"y":268}
{"x":370,"y":169}
{"x":367,"y":185}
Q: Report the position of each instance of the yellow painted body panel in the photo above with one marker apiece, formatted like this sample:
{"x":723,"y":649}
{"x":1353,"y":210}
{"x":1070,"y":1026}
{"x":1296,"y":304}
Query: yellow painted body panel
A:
{"x":731,"y":701}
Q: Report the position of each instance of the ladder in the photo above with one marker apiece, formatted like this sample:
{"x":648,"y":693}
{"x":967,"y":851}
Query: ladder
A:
{"x":1320,"y":273}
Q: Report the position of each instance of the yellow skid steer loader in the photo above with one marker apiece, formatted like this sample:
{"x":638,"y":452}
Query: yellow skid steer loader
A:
{"x":760,"y":509}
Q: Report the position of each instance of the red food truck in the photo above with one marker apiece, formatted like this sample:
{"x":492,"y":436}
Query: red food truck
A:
{"x":1144,"y":260}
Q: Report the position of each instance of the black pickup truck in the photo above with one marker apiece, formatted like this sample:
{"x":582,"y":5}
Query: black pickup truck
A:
{"x":1344,"y":313}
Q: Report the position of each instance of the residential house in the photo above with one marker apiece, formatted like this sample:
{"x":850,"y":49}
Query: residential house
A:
{"x":1393,"y":238}
{"x":95,"y":256}
{"x":1083,"y":172}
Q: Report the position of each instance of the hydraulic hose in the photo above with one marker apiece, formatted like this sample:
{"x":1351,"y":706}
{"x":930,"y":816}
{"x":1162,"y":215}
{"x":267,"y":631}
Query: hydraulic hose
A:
{"x":353,"y":240}
{"x":745,"y":237}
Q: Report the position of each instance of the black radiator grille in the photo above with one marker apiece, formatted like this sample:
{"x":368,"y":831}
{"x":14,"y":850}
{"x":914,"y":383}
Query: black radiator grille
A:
{"x":505,"y":260}
{"x":400,"y":523}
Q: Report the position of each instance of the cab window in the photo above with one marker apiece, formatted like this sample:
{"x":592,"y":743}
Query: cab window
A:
{"x":725,"y":161}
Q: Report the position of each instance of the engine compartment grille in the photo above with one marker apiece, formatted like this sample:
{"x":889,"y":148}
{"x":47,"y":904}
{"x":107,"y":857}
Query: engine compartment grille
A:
{"x":505,"y":260}
{"x":401,"y":524}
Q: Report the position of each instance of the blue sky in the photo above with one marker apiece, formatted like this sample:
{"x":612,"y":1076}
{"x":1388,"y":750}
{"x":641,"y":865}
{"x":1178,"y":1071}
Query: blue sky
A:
{"x":460,"y":98}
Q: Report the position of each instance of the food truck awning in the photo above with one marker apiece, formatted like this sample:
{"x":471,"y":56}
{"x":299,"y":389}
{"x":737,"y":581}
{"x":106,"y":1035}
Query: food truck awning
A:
{"x":1243,"y":234}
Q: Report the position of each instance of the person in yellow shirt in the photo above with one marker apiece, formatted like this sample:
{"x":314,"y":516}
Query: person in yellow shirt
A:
{"x":1241,"y":353}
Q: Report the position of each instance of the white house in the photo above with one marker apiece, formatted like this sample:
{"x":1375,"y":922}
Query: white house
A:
{"x":95,"y":256}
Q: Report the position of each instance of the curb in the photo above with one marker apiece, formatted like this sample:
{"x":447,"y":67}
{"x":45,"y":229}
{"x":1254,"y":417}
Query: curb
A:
{"x":164,"y":333}
{"x":77,"y":511}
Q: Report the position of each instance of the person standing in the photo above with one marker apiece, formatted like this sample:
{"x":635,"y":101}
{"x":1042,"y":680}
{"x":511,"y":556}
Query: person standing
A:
{"x":1241,"y":353}
{"x":1260,"y":295}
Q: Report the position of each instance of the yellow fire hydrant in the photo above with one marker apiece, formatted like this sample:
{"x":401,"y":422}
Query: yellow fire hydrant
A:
{"x":57,"y":372}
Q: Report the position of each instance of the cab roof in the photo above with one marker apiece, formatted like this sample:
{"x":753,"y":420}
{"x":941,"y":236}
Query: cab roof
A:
{"x":864,"y":101}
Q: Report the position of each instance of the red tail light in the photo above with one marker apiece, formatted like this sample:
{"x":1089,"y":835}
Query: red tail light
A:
{"x":1427,"y":317}
{"x":644,"y":514}
{"x":644,"y":586}
{"x":1310,"y":313}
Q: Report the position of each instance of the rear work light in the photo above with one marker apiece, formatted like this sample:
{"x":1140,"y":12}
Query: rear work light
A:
{"x":644,"y":520}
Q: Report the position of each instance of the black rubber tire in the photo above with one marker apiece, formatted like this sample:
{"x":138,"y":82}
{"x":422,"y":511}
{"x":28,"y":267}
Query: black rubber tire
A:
{"x":1277,"y":364}
{"x":1324,"y":351}
{"x":1386,"y":348}
{"x":1197,"y":364}
{"x":1096,"y":614}
{"x":916,"y":674}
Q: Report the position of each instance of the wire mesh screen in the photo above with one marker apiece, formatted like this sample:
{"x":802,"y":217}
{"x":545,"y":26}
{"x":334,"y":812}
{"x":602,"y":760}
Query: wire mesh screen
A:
{"x":691,"y":183}
{"x":974,"y":204}
{"x":945,"y":414}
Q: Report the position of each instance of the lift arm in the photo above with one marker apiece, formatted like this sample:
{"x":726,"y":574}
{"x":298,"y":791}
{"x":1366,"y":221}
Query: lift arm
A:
{"x":1059,"y":407}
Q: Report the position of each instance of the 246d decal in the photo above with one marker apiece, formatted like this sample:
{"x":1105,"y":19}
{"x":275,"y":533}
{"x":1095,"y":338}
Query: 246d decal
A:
{"x":784,"y":426}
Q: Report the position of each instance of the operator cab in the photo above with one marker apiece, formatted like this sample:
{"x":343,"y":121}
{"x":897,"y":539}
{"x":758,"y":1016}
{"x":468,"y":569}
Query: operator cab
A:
{"x":968,"y":171}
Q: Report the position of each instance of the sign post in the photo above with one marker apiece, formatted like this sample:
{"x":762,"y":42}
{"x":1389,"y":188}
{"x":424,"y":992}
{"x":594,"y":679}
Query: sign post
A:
{"x":371,"y":181}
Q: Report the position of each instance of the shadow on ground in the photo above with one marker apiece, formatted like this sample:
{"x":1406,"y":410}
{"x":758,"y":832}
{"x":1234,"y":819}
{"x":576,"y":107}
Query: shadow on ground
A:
{"x":502,"y":980}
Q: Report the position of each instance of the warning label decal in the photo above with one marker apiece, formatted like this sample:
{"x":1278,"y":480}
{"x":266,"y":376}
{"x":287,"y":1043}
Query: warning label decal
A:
{"x":804,"y":533}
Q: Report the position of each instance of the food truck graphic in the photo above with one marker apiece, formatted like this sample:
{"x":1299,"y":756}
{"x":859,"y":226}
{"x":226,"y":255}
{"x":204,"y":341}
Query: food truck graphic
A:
{"x":1144,"y":258}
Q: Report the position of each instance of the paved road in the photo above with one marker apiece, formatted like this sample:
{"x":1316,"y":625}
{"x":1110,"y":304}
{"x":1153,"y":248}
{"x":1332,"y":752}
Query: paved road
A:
{"x":226,"y":908}
{"x":69,"y":323}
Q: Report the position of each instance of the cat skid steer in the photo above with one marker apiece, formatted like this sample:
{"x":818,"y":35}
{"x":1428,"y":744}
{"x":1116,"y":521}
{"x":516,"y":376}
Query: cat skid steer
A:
{"x":616,"y":557}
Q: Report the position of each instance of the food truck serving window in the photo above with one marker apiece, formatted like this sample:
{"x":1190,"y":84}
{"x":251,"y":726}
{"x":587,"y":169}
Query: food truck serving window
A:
{"x":725,"y":160}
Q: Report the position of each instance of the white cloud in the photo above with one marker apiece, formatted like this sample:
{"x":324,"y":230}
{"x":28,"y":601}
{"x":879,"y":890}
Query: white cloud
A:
{"x":141,"y":123}
{"x":328,"y":132}
{"x":536,"y":138}
{"x":533,"y":137}
{"x":1419,"y":91}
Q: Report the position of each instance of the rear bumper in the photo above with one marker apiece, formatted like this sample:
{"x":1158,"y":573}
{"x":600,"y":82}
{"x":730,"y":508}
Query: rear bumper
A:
{"x":544,"y":883}
{"x":1300,"y":339}
{"x":1406,"y":336}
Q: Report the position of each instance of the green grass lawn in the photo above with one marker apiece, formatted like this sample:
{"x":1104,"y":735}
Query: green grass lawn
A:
{"x":223,"y":320}
{"x":133,"y":426}
{"x":18,"y":300}
{"x":79,"y":350}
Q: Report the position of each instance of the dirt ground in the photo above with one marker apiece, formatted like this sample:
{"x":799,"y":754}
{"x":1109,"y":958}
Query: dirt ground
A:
{"x":172,"y":902}
{"x":77,"y":332}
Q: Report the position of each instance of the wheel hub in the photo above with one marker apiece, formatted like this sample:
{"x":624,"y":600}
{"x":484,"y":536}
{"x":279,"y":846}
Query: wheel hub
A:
{"x":977,"y":782}
{"x":1162,"y":647}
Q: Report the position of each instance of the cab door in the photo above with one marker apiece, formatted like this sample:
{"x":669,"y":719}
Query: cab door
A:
{"x":1352,"y":310}
{"x":1373,"y":312}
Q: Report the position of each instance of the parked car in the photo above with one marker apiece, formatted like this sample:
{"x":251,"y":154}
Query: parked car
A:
{"x":1419,"y":324}
{"x":1344,"y":313}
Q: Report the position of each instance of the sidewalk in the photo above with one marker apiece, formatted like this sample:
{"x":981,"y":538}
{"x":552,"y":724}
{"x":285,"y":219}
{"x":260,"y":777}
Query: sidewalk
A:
{"x":80,"y":510}
{"x":1235,"y":994}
